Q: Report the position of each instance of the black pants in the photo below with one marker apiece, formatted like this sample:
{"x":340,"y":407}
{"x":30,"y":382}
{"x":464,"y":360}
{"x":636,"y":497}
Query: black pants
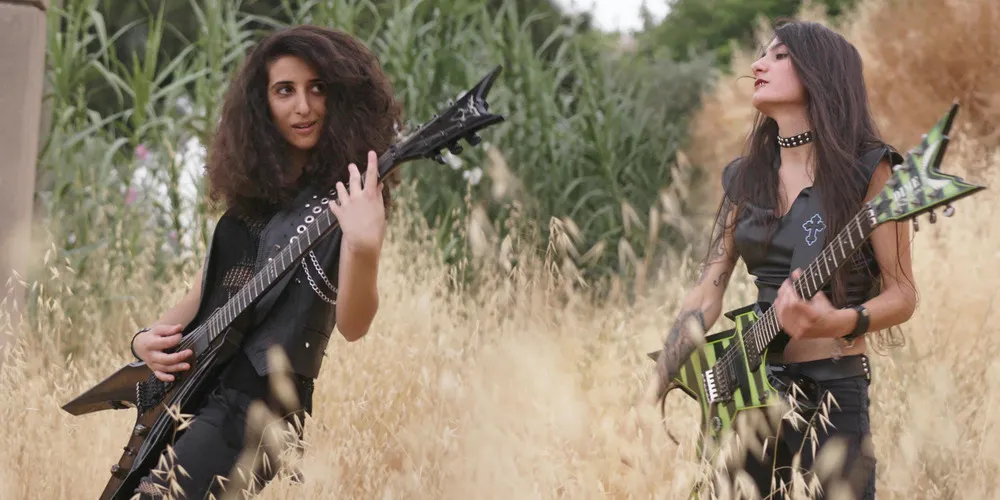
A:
{"x":212,"y":445}
{"x":849,"y":423}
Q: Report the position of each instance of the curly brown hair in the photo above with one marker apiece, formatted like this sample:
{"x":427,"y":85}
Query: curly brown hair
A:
{"x":247,"y":158}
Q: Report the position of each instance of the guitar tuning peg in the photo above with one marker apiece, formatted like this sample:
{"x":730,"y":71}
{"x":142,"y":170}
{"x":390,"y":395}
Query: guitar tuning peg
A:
{"x":933,"y":217}
{"x":438,"y":158}
{"x":455,"y":148}
{"x":949,"y":211}
{"x":473,"y":139}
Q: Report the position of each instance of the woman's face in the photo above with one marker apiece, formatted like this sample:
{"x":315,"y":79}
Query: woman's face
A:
{"x":776,"y":84}
{"x":297,"y":99}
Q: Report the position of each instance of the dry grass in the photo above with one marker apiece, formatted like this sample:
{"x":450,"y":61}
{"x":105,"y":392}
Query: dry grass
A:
{"x":525,"y":390}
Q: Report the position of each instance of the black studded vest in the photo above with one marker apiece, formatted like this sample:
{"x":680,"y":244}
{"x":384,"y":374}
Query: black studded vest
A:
{"x":298,"y":313}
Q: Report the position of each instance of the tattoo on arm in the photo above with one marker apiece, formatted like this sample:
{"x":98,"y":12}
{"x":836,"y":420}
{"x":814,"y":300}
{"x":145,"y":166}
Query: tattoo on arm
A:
{"x":721,"y":280}
{"x":681,"y":342}
{"x":718,"y":251}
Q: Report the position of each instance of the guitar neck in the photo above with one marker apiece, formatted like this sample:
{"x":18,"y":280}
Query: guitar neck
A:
{"x":815,"y":276}
{"x":309,"y":235}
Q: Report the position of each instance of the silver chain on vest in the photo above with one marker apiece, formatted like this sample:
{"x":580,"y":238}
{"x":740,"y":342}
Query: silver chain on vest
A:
{"x":322,"y":275}
{"x":319,"y":269}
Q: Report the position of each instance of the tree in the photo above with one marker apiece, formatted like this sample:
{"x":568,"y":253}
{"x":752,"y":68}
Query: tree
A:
{"x":697,"y":26}
{"x":22,"y":55}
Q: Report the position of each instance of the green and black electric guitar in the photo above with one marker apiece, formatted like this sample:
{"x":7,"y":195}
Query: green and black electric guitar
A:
{"x":726,"y":374}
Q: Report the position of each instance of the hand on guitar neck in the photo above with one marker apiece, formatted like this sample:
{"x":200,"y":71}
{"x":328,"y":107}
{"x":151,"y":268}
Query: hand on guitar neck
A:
{"x":360,"y":211}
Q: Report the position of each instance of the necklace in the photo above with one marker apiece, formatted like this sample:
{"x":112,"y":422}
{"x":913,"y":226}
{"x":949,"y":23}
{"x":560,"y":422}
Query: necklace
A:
{"x":795,"y":140}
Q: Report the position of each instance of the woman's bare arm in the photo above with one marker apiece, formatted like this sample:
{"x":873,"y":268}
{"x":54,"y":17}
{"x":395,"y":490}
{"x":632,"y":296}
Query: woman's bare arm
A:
{"x":702,"y":306}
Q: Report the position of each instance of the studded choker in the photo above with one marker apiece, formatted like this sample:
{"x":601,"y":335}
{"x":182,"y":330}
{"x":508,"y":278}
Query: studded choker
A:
{"x":795,"y":140}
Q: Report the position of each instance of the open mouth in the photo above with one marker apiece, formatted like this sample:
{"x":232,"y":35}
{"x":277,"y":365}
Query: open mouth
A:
{"x":305,"y":127}
{"x":759,"y":83}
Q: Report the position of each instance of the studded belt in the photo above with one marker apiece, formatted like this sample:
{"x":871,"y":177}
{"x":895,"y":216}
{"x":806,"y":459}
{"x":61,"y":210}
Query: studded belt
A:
{"x":823,"y":370}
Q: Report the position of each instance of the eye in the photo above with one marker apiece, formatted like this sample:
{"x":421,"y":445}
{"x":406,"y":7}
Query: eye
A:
{"x":319,"y":88}
{"x":284,"y":90}
{"x":781,"y":55}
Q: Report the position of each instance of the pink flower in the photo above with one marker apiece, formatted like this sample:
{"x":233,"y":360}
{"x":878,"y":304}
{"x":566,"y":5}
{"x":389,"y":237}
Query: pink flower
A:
{"x":142,"y":152}
{"x":131,"y":196}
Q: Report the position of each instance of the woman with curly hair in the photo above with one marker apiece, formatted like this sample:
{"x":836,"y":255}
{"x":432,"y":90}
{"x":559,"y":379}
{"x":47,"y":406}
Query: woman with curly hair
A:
{"x":308,"y":106}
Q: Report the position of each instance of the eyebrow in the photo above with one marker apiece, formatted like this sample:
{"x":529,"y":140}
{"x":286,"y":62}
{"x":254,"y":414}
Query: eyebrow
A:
{"x":769,"y":49}
{"x":289,"y":82}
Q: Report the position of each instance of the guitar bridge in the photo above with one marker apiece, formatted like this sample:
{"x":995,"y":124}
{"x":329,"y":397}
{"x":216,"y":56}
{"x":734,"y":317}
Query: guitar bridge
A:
{"x":711,"y":387}
{"x":717,"y":387}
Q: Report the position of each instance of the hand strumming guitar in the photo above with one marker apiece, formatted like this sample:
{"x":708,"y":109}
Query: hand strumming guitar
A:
{"x":150,"y":347}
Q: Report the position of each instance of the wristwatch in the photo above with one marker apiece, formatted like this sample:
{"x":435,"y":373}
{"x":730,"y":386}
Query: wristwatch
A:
{"x":131,"y":345}
{"x":860,"y":328}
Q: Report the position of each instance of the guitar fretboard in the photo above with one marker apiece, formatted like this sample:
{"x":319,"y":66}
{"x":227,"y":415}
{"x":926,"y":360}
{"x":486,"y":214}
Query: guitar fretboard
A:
{"x":264,"y":279}
{"x":309,"y":235}
{"x":813,"y":278}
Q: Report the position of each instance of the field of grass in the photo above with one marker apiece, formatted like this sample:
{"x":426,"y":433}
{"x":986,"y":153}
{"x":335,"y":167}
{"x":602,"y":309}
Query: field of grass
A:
{"x":525,"y":388}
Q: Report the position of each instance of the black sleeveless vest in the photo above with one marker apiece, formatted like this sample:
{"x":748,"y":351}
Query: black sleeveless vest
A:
{"x":802,"y":230}
{"x":298,"y":313}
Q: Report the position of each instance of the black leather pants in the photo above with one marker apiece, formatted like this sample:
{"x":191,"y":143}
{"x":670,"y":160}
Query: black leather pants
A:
{"x":850,"y":423}
{"x":212,"y":445}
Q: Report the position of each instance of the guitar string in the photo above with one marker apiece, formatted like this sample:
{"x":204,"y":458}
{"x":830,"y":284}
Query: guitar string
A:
{"x":751,"y":337}
{"x":190,"y":339}
{"x":728,"y":359}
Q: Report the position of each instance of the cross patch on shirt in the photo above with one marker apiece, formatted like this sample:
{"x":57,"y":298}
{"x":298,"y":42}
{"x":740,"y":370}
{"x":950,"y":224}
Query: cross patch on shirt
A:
{"x":813,"y":227}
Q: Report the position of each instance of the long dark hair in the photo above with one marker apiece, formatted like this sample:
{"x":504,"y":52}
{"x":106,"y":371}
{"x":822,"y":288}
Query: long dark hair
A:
{"x":830,"y":69}
{"x":248,"y":158}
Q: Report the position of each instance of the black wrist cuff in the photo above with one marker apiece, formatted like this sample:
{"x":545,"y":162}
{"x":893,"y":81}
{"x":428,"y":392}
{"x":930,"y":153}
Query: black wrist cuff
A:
{"x":861,"y":327}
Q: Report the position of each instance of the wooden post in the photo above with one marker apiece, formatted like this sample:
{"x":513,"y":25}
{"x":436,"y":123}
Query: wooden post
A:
{"x":22,"y":57}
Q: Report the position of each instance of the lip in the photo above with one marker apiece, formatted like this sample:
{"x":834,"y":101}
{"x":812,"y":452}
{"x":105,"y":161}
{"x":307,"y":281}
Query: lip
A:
{"x":304,"y":128}
{"x":760,"y":82}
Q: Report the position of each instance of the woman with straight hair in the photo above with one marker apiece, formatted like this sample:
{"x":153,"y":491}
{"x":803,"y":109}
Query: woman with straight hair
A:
{"x":812,"y":158}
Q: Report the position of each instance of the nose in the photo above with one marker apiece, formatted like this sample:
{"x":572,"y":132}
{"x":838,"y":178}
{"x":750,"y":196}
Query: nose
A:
{"x":758,"y":67}
{"x":302,"y":104}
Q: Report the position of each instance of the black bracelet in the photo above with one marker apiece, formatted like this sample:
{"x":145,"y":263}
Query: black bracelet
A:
{"x":861,"y":327}
{"x":131,"y":345}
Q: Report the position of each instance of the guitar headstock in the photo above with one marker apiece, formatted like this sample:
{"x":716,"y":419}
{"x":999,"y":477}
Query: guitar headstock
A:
{"x":917,"y":185}
{"x":468,"y":115}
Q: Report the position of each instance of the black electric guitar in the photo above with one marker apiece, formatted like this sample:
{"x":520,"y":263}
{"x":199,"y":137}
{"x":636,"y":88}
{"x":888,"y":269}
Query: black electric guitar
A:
{"x":214,"y":335}
{"x":726,"y":375}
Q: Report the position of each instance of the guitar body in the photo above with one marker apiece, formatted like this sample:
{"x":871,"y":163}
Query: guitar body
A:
{"x":754,"y":391}
{"x":155,"y":425}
